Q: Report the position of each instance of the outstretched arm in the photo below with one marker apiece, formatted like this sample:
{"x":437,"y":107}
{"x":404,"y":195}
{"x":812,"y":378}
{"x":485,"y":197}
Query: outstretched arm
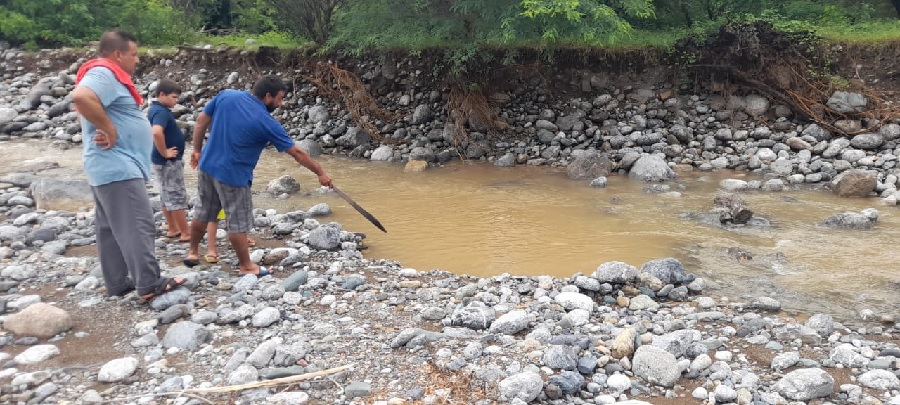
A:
{"x":305,"y":160}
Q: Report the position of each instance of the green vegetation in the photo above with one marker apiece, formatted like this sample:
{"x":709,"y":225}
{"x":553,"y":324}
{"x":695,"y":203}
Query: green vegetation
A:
{"x":460,"y":26}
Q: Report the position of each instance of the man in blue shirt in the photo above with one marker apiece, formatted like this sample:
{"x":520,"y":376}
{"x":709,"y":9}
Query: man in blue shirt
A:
{"x":168,"y":168}
{"x":117,"y":162}
{"x":241,"y":127}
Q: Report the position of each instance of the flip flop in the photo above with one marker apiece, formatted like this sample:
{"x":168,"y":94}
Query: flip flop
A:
{"x":262,"y":272}
{"x":191,"y":262}
{"x":211,"y":258}
{"x":169,"y":285}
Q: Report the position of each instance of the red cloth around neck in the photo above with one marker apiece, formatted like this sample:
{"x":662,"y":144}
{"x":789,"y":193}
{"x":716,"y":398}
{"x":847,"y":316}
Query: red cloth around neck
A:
{"x":120,"y":74}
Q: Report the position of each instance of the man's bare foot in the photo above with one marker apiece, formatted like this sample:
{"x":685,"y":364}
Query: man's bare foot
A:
{"x":169,"y":285}
{"x":258,"y":271}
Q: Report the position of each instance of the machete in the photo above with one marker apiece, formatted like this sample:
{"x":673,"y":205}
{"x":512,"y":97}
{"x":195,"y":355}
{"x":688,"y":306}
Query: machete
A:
{"x":359,"y":209}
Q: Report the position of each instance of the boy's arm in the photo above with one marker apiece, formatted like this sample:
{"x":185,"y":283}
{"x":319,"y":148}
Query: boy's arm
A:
{"x":159,"y":140}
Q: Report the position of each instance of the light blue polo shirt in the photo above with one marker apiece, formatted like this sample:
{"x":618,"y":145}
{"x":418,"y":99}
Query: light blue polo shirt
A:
{"x":130,"y":157}
{"x":241,"y":128}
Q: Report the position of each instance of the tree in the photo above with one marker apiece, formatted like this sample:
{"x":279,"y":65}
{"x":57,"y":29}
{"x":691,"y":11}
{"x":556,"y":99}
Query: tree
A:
{"x":308,"y":18}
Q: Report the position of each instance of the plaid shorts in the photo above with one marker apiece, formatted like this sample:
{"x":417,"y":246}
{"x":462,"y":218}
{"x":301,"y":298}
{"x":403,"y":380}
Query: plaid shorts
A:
{"x":170,"y":180}
{"x":215,"y":196}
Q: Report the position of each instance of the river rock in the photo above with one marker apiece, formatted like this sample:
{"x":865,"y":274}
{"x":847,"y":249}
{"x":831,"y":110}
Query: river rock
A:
{"x":7,"y":115}
{"x":39,"y":320}
{"x":855,"y":183}
{"x":668,"y":270}
{"x":623,"y":345}
{"x":311,"y":147}
{"x":571,"y":300}
{"x":186,"y":335}
{"x":415,"y":166}
{"x":589,"y":165}
{"x":325,"y":237}
{"x":476,"y":316}
{"x":55,"y":194}
{"x":651,"y":168}
{"x":36,"y":354}
{"x":510,"y":323}
{"x":283,"y":185}
{"x":821,"y":323}
{"x":382,"y":154}
{"x":805,"y":384}
{"x":523,"y":386}
{"x":866,"y":141}
{"x":756,"y":105}
{"x":880,"y":380}
{"x":318,"y":114}
{"x":117,"y":370}
{"x":656,"y":366}
{"x":845,"y":102}
{"x":616,"y":273}
{"x":850,"y":220}
{"x":561,"y":357}
{"x":421,"y":115}
{"x":288,"y":398}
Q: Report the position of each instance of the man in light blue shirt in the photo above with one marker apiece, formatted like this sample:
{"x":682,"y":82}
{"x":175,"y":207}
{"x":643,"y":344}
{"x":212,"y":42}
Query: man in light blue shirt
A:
{"x":118,"y":140}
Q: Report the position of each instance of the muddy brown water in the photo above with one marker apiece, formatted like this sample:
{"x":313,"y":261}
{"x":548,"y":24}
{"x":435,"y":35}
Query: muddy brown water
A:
{"x":474,"y":218}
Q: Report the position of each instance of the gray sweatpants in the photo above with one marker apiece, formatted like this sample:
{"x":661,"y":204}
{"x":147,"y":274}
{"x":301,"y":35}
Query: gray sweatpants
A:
{"x":125,"y":237}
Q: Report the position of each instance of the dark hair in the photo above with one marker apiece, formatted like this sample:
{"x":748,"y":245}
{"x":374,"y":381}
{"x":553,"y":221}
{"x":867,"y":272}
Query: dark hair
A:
{"x":269,"y":84}
{"x":115,"y":40}
{"x":166,"y":86}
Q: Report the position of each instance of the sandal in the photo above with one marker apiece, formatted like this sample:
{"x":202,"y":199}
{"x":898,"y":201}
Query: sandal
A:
{"x":262,"y":272}
{"x":169,"y":285}
{"x":211,"y":258}
{"x":190,"y":262}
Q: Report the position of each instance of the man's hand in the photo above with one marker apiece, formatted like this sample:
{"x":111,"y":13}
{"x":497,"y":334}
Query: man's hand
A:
{"x":171,"y":153}
{"x":105,"y":140}
{"x":325,"y":180}
{"x":195,"y":159}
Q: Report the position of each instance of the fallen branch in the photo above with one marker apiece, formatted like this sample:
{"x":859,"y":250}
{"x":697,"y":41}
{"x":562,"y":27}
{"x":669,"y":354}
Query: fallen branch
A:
{"x":269,"y":383}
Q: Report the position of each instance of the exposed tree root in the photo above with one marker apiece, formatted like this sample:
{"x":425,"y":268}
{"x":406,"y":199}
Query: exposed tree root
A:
{"x":468,"y":107}
{"x":345,"y":87}
{"x":788,"y":68}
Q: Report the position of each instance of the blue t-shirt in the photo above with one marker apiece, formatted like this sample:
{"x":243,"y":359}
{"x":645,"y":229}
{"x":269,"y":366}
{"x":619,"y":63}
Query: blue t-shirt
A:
{"x":241,"y":128}
{"x":159,"y":114}
{"x":130,"y":158}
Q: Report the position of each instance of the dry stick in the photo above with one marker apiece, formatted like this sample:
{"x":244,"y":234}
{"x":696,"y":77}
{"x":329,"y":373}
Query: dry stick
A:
{"x":162,"y":394}
{"x":269,"y":383}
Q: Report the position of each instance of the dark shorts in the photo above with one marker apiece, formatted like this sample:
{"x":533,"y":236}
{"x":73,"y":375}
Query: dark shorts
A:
{"x":215,"y":196}
{"x":170,"y":180}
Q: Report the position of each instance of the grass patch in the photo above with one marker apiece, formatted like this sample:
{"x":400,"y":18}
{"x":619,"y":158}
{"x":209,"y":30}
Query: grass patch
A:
{"x":873,"y":32}
{"x":277,"y":39}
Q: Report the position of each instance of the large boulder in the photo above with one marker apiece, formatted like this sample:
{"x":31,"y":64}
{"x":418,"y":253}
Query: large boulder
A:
{"x":7,"y":115}
{"x":652,"y":168}
{"x":283,"y":185}
{"x":67,"y":195}
{"x":325,"y":237}
{"x":589,"y":165}
{"x":854,"y":183}
{"x":805,"y":384}
{"x":39,"y":320}
{"x":845,"y":102}
{"x":310,"y":146}
{"x":656,"y":366}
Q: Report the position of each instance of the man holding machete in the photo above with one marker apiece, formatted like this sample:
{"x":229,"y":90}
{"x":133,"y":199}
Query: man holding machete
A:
{"x":241,"y":125}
